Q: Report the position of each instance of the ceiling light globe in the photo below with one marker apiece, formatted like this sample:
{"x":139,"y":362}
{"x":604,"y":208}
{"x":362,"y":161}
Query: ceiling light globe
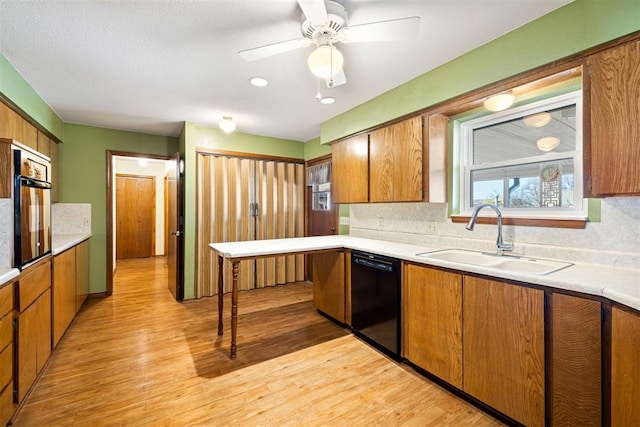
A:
{"x":547,"y":143}
{"x":227,"y":125}
{"x":326,"y":61}
{"x":499,"y":102}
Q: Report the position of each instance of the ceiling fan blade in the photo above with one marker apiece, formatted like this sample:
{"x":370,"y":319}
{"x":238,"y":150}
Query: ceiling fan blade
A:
{"x":273,"y":49}
{"x":395,"y":29}
{"x":314,"y":10}
{"x":337,"y":80}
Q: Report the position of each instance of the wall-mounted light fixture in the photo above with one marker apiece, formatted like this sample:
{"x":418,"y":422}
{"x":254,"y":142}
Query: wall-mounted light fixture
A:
{"x":227,"y":125}
{"x":499,"y":102}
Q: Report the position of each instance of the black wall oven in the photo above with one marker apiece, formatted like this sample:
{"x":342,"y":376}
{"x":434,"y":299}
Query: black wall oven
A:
{"x":32,"y":207}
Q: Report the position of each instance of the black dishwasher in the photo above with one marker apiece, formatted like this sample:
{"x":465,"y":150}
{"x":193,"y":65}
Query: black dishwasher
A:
{"x":375,"y":300}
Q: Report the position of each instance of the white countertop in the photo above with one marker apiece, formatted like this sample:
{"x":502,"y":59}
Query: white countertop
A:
{"x":62,"y":242}
{"x":6,"y":274}
{"x":621,"y":285}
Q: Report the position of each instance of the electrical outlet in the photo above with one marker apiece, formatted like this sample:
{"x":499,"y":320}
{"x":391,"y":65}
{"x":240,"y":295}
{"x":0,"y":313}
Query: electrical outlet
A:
{"x":344,"y":220}
{"x":431,"y":227}
{"x":380,"y":222}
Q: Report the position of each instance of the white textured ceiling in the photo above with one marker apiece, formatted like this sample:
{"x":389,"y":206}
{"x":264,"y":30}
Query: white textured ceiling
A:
{"x":147,"y":66}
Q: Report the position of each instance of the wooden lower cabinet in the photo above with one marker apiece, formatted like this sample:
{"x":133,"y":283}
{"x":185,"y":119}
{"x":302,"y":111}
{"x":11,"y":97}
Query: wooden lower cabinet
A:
{"x":503,"y":348}
{"x":6,"y":352}
{"x":64,"y":292}
{"x":33,"y":333}
{"x":625,"y":367}
{"x":574,"y":396}
{"x":432,"y":321}
{"x":82,"y":273}
{"x":329,"y":284}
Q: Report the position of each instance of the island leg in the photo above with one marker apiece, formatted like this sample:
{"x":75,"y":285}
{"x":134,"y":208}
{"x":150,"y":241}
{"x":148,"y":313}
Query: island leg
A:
{"x":234,"y":307}
{"x":220,"y":292}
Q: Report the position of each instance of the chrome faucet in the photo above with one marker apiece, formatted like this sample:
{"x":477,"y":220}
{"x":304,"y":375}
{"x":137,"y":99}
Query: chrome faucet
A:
{"x":501,"y":247}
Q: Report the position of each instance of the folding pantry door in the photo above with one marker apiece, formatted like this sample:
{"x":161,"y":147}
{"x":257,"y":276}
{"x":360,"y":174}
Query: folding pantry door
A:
{"x":248,"y":199}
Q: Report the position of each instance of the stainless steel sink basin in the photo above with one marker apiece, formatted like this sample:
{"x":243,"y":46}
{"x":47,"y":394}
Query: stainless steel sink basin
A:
{"x":506,"y":262}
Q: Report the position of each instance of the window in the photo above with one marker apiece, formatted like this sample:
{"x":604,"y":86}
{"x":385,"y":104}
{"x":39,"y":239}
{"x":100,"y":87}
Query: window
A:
{"x":527,"y":160}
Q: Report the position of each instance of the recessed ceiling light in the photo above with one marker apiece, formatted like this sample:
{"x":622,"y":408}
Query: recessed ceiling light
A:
{"x":258,"y":81}
{"x":326,"y":100}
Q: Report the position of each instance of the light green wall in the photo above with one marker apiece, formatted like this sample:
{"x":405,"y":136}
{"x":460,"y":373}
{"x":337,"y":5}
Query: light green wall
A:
{"x":313,"y":149}
{"x":568,"y":30}
{"x":20,"y":92}
{"x":83,"y":179}
{"x":194,"y":137}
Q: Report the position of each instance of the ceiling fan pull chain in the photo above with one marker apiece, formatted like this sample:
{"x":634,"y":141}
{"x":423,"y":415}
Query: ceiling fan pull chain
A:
{"x":318,"y":95}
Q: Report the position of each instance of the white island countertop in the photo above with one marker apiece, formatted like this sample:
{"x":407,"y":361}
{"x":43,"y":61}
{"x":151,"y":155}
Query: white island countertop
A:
{"x":621,"y":285}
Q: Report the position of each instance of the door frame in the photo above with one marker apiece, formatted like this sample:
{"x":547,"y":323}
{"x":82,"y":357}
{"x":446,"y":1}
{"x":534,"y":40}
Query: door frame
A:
{"x":110,"y":194}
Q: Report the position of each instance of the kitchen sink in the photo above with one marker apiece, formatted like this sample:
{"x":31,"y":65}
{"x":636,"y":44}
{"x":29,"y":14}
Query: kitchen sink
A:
{"x":512,"y":263}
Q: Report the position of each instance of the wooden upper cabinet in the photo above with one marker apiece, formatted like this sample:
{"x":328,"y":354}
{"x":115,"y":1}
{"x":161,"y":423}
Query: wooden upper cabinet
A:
{"x":54,"y":171}
{"x":350,"y":170}
{"x":6,"y":172}
{"x":614,"y":146}
{"x":43,"y":144}
{"x":625,"y":367}
{"x":395,"y":162}
{"x":503,"y":347}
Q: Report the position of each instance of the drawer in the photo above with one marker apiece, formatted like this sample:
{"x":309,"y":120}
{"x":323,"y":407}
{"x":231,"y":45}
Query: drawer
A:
{"x":6,"y":405}
{"x":6,"y":299}
{"x":33,"y":282}
{"x":6,"y":332}
{"x":6,"y":366}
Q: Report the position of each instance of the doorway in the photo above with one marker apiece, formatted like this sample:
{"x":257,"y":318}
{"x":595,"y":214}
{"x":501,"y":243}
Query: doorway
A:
{"x":135,"y":216}
{"x":139,"y":211}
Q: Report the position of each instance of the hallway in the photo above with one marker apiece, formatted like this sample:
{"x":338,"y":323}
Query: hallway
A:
{"x":139,"y":358}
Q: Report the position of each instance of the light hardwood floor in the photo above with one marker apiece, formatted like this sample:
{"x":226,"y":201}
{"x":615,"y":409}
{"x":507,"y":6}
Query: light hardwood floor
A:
{"x":138,"y":358}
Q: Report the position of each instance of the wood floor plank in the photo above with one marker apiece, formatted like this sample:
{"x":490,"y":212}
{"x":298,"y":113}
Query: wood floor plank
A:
{"x":139,"y":358}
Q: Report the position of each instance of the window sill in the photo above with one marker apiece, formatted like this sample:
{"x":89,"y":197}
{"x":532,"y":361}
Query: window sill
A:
{"x":527,"y":222}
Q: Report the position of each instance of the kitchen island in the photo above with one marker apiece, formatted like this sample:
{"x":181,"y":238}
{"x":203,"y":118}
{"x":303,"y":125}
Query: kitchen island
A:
{"x":621,"y":285}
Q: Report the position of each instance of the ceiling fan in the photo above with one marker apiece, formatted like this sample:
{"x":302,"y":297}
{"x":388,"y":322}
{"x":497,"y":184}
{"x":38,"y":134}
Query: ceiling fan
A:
{"x":324,"y":24}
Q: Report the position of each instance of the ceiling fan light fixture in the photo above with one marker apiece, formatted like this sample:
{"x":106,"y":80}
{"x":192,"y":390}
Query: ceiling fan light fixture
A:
{"x":325,"y":62}
{"x":227,"y":125}
{"x":547,"y":143}
{"x":258,"y":81}
{"x":499,"y":102}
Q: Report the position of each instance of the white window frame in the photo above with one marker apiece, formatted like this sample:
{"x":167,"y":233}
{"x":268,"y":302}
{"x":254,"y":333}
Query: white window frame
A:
{"x":578,"y":211}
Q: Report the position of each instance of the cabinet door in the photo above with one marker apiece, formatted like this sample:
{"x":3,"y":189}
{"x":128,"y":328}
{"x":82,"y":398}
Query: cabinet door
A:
{"x":64,"y":292}
{"x":43,"y":144}
{"x":6,"y":172}
{"x":432,"y":321}
{"x":27,"y":347}
{"x":350,"y":170}
{"x":503,"y":348}
{"x":615,"y":129}
{"x":329,"y":284}
{"x":395,"y":162}
{"x":82,"y":273}
{"x":55,"y":168}
{"x":575,"y":394}
{"x":43,"y":331}
{"x":625,"y":368}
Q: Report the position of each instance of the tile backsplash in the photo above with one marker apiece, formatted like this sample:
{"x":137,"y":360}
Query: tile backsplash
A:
{"x":614,"y":241}
{"x":6,"y":233}
{"x":71,"y":218}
